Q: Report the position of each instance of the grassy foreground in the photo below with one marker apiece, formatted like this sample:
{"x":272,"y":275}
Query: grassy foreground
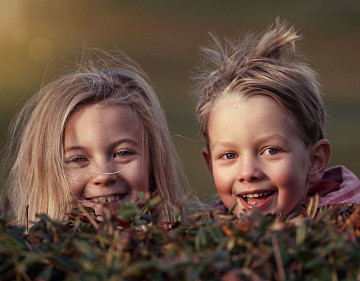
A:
{"x":320,"y":244}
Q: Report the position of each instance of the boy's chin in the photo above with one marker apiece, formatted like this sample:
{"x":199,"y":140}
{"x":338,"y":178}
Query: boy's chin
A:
{"x":238,"y":211}
{"x":267,"y":206}
{"x":295,"y":211}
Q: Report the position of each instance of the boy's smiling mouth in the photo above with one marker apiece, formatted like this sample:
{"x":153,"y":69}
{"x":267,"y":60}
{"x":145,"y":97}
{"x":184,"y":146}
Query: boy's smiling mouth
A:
{"x":256,"y":199}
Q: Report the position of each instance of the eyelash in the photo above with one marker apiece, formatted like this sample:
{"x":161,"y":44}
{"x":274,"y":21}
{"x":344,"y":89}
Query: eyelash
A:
{"x":271,"y":149}
{"x":226,"y":155}
{"x":266,"y":152}
{"x":81,"y":159}
{"x":76,"y":159}
{"x":123,"y":153}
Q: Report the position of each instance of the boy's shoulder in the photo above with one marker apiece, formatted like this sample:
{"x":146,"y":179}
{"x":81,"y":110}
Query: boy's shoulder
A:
{"x":220,"y":206}
{"x":338,"y":185}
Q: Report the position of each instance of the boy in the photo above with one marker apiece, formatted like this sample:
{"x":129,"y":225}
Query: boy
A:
{"x":262,"y":116}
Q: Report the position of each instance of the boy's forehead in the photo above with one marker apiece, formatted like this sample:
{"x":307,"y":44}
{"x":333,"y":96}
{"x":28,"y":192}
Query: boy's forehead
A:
{"x":242,"y":97}
{"x":259,"y":102}
{"x":231,"y":98}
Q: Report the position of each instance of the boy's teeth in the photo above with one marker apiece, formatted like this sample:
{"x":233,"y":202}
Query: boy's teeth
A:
{"x":256,"y":195}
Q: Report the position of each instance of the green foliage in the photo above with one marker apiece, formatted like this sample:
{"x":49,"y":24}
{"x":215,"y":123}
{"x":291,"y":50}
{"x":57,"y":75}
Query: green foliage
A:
{"x":131,"y":244}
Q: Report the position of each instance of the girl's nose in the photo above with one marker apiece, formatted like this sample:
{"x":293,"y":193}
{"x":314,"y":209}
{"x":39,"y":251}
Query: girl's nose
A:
{"x":105,"y":174}
{"x":250,"y":170}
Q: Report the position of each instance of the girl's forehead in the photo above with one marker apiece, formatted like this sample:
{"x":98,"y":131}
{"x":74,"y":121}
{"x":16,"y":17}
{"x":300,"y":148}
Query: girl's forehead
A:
{"x":96,"y":124}
{"x":101,"y":113}
{"x":94,"y":109}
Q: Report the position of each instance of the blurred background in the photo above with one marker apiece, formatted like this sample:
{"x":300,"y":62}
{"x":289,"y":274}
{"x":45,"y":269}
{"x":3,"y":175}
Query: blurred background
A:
{"x":40,"y":39}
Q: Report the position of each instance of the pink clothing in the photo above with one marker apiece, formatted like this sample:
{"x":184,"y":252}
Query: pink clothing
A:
{"x":338,"y":185}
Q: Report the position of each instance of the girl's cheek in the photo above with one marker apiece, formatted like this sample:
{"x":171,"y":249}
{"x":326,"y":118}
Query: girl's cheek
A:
{"x":75,"y":184}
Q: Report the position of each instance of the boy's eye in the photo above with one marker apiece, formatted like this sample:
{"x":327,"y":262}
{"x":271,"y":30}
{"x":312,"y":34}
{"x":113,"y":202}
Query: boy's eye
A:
{"x":271,"y":151}
{"x":229,"y":155}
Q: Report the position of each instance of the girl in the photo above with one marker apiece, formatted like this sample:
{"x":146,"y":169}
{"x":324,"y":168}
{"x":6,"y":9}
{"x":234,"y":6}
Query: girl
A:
{"x":262,"y":116}
{"x":93,"y":136}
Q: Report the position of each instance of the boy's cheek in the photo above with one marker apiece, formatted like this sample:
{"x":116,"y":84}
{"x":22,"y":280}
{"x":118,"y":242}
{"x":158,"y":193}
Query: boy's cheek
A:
{"x":221,"y":183}
{"x":229,"y":201}
{"x":223,"y":187}
{"x":223,"y":179}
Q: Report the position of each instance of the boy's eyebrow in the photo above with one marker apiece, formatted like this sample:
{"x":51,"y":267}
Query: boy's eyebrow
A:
{"x":257,"y":140}
{"x":115,"y":143}
{"x":271,"y":137}
{"x":223,"y":143}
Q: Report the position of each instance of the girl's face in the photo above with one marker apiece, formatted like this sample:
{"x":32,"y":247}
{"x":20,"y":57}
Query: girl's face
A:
{"x":256,"y":157}
{"x":105,"y":158}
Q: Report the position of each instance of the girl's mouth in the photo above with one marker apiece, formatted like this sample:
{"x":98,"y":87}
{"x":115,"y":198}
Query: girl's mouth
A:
{"x":107,"y":199}
{"x":257,"y":199}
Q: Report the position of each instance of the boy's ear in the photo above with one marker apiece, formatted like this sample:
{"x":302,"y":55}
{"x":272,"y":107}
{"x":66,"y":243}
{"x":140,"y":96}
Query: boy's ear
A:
{"x":207,"y":158}
{"x":320,"y":155}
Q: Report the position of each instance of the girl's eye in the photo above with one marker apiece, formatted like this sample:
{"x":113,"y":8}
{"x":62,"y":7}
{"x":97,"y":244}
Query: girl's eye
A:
{"x":271,"y":151}
{"x":229,"y":155}
{"x":76,"y":160}
{"x":124,"y":153}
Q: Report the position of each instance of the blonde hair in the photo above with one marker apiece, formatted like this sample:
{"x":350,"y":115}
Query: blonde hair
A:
{"x":37,"y":176}
{"x":267,"y":64}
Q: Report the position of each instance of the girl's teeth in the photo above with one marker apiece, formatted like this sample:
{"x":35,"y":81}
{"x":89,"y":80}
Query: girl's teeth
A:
{"x":104,"y":199}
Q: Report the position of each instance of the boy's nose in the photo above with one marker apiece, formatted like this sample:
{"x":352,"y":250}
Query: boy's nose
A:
{"x":249,"y":170}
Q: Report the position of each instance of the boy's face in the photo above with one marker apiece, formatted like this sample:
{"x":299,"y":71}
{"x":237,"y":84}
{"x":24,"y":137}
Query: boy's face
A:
{"x":256,"y":157}
{"x":104,"y":156}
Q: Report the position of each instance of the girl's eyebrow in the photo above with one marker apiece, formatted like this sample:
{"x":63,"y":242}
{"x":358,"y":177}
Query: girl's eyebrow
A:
{"x":114,"y":144}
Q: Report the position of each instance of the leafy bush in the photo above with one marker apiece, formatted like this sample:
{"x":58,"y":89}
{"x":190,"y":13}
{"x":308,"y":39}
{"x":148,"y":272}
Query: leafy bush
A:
{"x":320,"y":244}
